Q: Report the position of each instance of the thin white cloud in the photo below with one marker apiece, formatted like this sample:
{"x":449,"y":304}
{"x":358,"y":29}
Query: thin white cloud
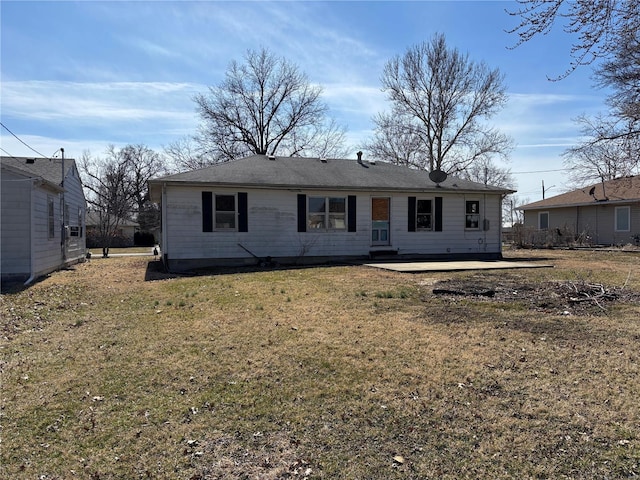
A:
{"x":354,"y":99}
{"x":148,"y":47}
{"x":47,"y":146}
{"x":115,"y":101}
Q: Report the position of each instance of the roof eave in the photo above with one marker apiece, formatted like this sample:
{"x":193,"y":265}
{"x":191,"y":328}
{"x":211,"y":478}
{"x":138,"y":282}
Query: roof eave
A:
{"x":580,"y":204}
{"x":290,"y":187}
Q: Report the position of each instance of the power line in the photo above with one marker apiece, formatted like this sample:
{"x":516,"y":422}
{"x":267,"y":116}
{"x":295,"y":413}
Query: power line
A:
{"x":542,"y":171}
{"x":21,"y":141}
{"x":7,"y":152}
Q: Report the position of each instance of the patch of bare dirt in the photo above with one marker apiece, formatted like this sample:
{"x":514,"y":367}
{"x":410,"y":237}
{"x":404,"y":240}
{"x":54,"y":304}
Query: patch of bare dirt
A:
{"x":555,"y":297}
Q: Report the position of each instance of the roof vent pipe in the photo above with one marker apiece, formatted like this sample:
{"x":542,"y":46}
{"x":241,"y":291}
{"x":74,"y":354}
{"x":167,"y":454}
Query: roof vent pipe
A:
{"x":359,"y":157}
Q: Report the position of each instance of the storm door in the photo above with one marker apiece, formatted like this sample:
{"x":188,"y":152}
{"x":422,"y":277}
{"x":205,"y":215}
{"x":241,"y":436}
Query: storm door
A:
{"x":380,"y":220}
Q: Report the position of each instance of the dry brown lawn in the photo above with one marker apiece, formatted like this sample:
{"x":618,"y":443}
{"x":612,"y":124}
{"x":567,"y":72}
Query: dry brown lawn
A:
{"x":115,"y":370}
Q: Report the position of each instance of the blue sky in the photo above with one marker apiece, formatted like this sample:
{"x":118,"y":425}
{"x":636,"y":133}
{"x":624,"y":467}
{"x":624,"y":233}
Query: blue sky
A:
{"x":84,"y":75}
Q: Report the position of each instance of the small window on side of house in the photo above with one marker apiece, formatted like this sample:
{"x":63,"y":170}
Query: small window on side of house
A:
{"x":472,"y":214}
{"x":543,"y":221}
{"x":225,"y":213}
{"x":623,"y":223}
{"x":424,"y":214}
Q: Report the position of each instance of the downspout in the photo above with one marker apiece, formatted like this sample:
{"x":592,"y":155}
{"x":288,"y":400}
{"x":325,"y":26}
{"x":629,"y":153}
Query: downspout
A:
{"x":32,"y":228}
{"x":63,"y":232}
{"x":163,"y":226}
{"x":500,"y":211}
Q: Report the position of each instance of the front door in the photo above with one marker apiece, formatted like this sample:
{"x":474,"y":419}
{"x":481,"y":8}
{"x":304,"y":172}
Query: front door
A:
{"x":380,"y":217}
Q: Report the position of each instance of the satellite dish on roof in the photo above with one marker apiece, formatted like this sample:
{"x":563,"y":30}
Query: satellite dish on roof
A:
{"x":438,"y":176}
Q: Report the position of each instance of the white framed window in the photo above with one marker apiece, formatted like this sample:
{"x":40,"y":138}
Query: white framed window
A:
{"x":623,"y":219}
{"x":225,"y":212}
{"x":543,"y":220}
{"x":424,"y":214}
{"x":327,"y":213}
{"x":472,"y":214}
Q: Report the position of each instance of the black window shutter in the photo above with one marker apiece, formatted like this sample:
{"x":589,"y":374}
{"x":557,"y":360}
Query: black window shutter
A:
{"x":243,"y":212}
{"x":302,"y":212}
{"x":438,"y":215}
{"x":412,"y":214}
{"x":207,"y":211}
{"x":351,"y":213}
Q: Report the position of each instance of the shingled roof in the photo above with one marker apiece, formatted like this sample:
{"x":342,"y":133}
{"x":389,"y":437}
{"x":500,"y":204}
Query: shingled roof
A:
{"x":262,"y":171}
{"x":619,"y":190}
{"x":48,"y":169}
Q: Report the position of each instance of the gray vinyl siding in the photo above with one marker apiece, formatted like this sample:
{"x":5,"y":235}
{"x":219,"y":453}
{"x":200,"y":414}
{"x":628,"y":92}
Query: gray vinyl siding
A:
{"x":26,"y":246}
{"x":74,"y":198}
{"x":272,"y":227}
{"x":15,"y":234}
{"x":597,"y":222}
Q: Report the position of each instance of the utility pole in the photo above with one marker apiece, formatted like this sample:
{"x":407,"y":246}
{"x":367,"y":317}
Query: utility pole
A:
{"x":63,"y":231}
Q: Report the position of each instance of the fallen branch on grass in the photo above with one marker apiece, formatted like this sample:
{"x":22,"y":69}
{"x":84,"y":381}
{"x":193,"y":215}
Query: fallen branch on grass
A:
{"x":594,"y":293}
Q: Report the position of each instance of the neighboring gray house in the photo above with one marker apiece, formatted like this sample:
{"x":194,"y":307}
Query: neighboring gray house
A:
{"x":33,"y":201}
{"x":309,"y":210}
{"x":607,"y":213}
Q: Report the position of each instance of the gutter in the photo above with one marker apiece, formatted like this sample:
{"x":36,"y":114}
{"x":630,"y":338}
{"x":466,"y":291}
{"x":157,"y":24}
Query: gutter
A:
{"x":340,"y":188}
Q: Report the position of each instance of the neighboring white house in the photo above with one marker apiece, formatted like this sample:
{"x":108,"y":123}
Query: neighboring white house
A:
{"x":42,"y":217}
{"x":309,"y":210}
{"x":607,"y":213}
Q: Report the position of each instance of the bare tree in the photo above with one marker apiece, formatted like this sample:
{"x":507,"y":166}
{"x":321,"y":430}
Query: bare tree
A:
{"x":116,"y":188}
{"x":396,"y":140}
{"x":599,"y":25}
{"x":109,"y":194}
{"x":143,"y":164}
{"x":604,"y":30}
{"x":596,"y":159}
{"x":325,"y":140}
{"x":621,"y":72}
{"x":441,"y":100}
{"x":264,"y":106}
{"x":188,"y":153}
{"x":488,"y":173}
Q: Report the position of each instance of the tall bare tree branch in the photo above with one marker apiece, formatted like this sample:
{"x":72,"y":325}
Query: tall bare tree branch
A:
{"x":440,"y":103}
{"x":264,"y":106}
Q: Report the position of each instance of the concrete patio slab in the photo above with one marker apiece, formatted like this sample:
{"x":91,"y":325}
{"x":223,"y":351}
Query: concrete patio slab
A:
{"x":415,"y":267}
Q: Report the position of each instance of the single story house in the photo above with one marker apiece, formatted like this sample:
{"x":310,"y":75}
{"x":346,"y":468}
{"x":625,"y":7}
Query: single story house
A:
{"x":43,"y":214}
{"x":124,"y":236}
{"x":607,"y":213}
{"x":310,"y":210}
